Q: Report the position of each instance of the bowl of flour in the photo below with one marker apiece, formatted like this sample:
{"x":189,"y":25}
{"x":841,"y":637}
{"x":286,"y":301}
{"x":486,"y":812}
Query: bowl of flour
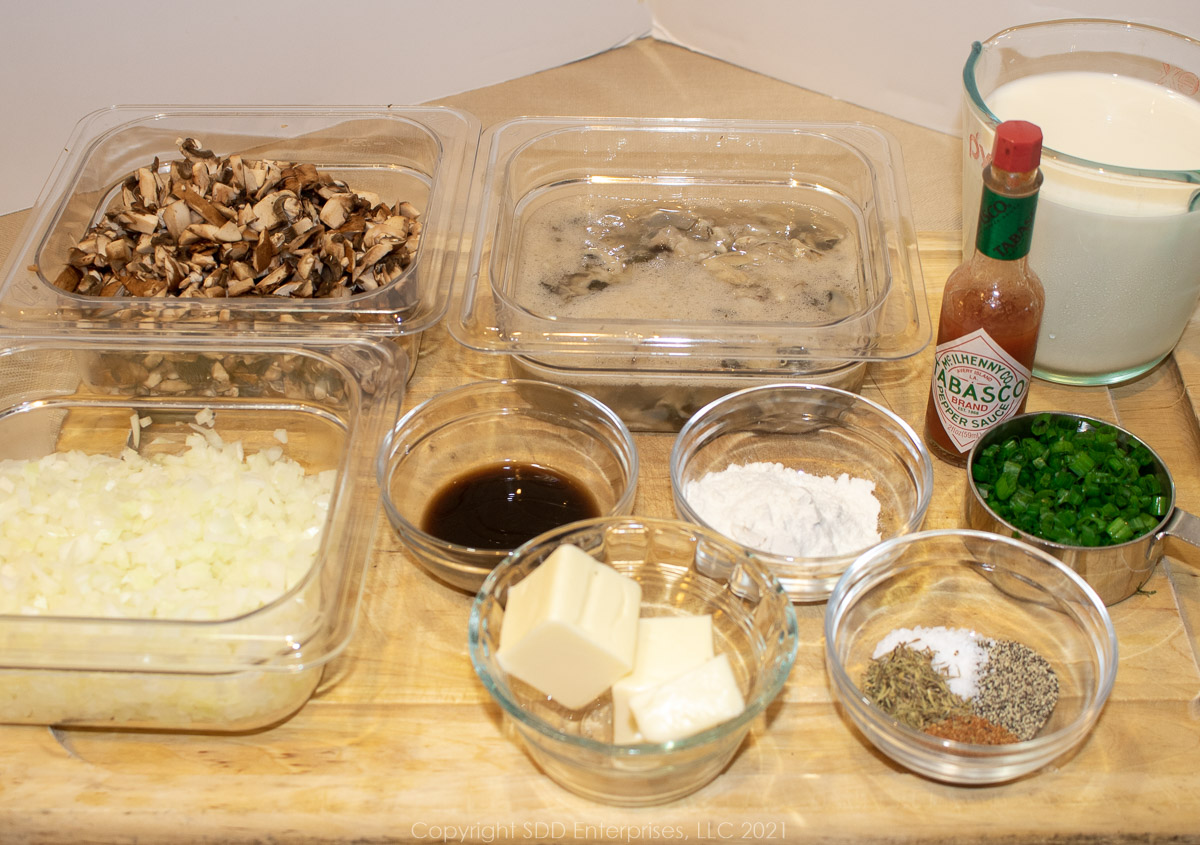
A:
{"x":805,"y":476}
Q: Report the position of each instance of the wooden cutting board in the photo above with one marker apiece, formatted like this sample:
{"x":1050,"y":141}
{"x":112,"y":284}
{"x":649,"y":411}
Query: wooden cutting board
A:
{"x":401,"y":742}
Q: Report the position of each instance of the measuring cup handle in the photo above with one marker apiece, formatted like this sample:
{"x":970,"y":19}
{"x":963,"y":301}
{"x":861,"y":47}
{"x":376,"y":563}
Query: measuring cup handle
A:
{"x":1183,"y":525}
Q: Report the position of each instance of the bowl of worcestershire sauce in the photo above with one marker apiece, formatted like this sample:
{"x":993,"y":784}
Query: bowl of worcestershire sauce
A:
{"x":476,"y":471}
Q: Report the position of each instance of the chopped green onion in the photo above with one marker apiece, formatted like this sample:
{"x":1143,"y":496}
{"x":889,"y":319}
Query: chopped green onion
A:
{"x":1081,"y":464}
{"x":1006,"y":485}
{"x":1119,"y":530}
{"x":1072,"y":483}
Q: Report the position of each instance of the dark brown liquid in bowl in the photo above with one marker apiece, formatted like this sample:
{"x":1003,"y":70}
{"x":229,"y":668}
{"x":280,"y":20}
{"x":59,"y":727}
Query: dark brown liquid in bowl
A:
{"x":502,"y":506}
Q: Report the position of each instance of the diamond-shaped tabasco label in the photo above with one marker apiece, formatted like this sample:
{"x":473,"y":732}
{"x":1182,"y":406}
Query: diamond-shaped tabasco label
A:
{"x":976,"y":384}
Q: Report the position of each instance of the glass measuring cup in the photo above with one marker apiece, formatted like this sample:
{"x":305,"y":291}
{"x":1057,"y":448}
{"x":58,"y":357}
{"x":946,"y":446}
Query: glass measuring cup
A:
{"x":1117,"y":240}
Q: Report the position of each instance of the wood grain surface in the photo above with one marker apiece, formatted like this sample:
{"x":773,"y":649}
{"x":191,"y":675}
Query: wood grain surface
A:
{"x":401,"y":742}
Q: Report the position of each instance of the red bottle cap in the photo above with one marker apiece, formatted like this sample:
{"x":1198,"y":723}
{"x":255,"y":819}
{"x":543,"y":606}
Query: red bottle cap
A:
{"x":1018,"y":146}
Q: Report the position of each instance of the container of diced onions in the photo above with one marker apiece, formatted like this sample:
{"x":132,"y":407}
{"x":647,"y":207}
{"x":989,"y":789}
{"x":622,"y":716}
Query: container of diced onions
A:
{"x":184,"y":524}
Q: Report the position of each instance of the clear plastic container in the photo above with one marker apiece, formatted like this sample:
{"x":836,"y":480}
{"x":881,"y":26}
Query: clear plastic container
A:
{"x":651,"y":395}
{"x":330,"y":403}
{"x":820,"y":209}
{"x":421,"y":154}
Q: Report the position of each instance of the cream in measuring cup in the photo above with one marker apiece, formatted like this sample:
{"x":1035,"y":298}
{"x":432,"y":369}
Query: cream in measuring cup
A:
{"x":1118,"y":231}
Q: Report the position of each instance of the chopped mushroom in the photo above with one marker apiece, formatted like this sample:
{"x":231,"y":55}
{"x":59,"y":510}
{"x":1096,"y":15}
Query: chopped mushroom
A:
{"x":213,"y":226}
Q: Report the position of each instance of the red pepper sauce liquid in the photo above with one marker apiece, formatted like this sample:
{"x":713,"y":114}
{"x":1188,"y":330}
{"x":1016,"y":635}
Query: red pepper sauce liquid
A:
{"x":1012,"y":315}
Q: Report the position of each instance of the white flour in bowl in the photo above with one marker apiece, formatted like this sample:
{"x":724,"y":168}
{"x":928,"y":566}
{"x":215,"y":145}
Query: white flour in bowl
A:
{"x":784,"y":511}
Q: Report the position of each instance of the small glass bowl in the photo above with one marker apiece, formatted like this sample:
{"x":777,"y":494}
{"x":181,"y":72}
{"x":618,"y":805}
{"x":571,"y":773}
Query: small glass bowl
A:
{"x":682,"y":569}
{"x":486,"y":424}
{"x":818,"y":430}
{"x":998,"y":587}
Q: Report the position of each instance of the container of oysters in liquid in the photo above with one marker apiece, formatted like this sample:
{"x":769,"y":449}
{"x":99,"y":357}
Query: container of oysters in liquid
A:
{"x":660,"y":263}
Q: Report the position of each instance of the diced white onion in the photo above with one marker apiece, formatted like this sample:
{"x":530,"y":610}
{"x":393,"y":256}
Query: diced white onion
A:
{"x":209,"y":533}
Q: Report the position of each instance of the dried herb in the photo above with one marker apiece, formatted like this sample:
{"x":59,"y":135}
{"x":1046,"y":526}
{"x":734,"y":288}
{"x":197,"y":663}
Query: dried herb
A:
{"x":904,"y":684}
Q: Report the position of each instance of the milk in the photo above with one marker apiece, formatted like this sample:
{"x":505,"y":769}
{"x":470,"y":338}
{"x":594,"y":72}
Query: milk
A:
{"x":1119,"y":254}
{"x":1106,"y":118}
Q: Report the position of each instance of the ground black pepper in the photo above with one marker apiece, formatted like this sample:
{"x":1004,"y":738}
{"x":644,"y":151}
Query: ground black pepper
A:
{"x":1018,"y":689}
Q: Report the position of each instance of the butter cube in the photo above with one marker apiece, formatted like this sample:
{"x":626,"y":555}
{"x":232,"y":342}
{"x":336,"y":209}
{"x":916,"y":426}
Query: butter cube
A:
{"x":690,"y":703}
{"x":570,"y":627}
{"x":667,"y":646}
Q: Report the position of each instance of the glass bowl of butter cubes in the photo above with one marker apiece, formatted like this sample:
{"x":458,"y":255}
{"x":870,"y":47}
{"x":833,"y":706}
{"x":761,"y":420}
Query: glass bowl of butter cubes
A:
{"x":632,"y":656}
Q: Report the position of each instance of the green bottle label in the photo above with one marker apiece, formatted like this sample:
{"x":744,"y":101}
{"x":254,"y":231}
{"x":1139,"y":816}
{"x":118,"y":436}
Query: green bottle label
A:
{"x":1005,"y":225}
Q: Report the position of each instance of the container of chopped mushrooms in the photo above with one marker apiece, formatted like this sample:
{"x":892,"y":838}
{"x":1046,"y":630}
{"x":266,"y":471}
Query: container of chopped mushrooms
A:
{"x":184,"y":561}
{"x":661,"y":263}
{"x":319,"y":220}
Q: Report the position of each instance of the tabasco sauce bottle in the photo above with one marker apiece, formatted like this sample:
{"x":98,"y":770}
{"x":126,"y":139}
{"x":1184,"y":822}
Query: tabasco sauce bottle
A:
{"x":991,"y":307}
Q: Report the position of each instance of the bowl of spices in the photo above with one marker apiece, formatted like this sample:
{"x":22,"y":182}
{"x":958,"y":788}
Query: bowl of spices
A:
{"x":632,"y":657}
{"x":968,"y":657}
{"x":474,"y":472}
{"x":1088,"y":492}
{"x":806,"y":476}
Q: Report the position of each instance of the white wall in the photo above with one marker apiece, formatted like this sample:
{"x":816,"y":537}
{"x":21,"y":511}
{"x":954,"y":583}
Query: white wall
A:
{"x":904,"y":59}
{"x":60,"y":59}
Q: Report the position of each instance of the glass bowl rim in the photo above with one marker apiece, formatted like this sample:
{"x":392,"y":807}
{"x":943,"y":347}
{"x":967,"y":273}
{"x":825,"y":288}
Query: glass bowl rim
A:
{"x":870,"y":563}
{"x":779,"y":670}
{"x":388,"y":448}
{"x":923,"y":485}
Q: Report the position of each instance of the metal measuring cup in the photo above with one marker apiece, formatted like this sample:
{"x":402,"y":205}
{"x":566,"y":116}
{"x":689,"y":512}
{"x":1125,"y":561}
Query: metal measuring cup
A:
{"x":1114,"y":572}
